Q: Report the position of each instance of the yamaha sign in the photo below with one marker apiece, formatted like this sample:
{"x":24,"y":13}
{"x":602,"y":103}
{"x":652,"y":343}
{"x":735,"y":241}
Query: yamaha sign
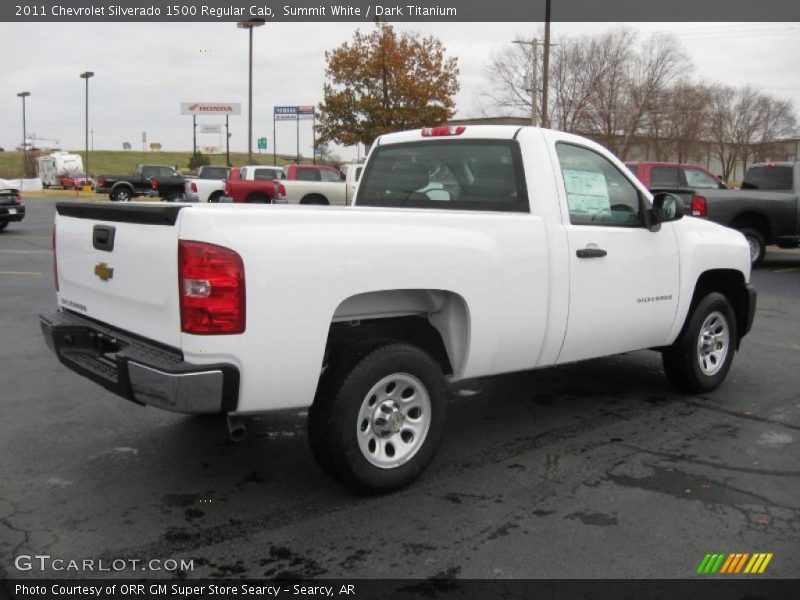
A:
{"x":211,"y":108}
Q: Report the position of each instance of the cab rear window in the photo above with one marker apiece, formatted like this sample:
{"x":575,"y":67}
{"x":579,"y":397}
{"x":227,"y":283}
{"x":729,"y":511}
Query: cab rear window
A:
{"x":481,"y":175}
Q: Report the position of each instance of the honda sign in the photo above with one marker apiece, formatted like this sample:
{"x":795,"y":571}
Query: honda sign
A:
{"x":211,"y":108}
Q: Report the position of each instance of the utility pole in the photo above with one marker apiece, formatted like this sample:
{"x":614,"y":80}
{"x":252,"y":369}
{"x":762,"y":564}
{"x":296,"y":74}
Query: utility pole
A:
{"x":546,"y":65}
{"x":534,"y":44}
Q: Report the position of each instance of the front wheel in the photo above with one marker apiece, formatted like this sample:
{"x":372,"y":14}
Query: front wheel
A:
{"x":702,"y":355}
{"x":379,"y":416}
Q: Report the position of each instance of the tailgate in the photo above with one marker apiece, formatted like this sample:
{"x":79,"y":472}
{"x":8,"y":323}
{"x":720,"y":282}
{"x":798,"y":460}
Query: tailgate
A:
{"x":118,"y":264}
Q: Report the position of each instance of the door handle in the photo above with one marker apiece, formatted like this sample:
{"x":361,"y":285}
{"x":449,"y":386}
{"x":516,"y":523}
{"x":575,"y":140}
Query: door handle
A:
{"x":591,"y":253}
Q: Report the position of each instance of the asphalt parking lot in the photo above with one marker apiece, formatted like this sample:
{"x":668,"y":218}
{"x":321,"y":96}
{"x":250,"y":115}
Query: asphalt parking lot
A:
{"x":593,"y":470}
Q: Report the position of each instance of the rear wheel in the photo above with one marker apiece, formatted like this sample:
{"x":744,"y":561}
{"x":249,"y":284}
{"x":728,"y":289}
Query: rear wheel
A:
{"x":122,"y":194}
{"x":702,"y":355}
{"x":315,"y":200}
{"x":215,"y":197}
{"x":257,"y":199}
{"x":379,"y":416}
{"x":758,"y":246}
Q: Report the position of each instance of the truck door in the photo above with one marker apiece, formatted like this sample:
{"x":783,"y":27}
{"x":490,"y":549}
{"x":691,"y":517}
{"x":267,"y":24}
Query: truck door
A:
{"x":623,"y":277}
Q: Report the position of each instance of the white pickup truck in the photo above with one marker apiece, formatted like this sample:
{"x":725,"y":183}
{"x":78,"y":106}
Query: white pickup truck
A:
{"x":208,"y":186}
{"x":469,"y":252}
{"x":325,"y":186}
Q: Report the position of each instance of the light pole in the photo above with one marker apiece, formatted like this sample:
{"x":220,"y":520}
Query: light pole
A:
{"x":250,"y":25}
{"x":546,"y":64}
{"x":87,"y":75}
{"x":24,"y":95}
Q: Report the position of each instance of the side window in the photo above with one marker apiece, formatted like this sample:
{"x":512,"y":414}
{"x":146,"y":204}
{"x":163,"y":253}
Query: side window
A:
{"x":166,"y":172}
{"x":149,"y":172}
{"x":664,"y":177}
{"x":307,"y":175}
{"x":698,"y":179}
{"x":597,"y":192}
{"x":329,"y":175}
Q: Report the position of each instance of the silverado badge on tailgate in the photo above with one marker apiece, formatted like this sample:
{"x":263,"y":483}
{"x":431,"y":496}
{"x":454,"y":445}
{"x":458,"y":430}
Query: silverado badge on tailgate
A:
{"x":103,"y":271}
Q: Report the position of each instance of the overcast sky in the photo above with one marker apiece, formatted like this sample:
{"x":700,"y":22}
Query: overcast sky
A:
{"x":144,"y":71}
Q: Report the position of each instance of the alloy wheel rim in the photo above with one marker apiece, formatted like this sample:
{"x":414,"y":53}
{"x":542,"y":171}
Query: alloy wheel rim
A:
{"x":393,"y":420}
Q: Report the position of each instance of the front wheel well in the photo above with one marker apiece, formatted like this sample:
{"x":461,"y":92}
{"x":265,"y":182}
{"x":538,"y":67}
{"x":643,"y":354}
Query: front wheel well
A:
{"x":731,"y":284}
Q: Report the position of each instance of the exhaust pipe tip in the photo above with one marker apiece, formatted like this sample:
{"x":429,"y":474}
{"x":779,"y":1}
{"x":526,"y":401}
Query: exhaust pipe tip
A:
{"x":237,"y":430}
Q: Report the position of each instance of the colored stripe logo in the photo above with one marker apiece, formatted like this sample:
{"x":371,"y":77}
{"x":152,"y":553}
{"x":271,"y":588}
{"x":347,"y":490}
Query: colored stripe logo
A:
{"x":734,"y":563}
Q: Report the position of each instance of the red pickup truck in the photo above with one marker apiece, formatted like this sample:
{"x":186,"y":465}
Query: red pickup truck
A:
{"x":257,"y":183}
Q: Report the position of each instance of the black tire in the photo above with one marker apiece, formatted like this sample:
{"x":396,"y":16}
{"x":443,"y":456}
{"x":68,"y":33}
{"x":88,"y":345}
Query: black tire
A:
{"x":257,"y":199}
{"x":758,"y":246}
{"x":684,"y":364}
{"x":176,"y":197}
{"x":333,"y":419}
{"x":315,"y":200}
{"x":215,"y":197}
{"x":122,"y":194}
{"x":4,"y":224}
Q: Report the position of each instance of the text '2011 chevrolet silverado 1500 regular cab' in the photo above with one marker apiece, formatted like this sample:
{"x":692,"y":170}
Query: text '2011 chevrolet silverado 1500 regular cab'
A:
{"x":469,"y":252}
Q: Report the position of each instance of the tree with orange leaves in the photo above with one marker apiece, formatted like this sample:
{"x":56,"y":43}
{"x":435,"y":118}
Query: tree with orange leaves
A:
{"x":384,"y":82}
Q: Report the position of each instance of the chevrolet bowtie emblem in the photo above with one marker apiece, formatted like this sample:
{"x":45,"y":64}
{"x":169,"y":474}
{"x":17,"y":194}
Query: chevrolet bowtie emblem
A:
{"x":103,"y":271}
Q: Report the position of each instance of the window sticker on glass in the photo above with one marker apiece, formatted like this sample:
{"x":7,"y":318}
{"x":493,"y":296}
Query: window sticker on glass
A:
{"x":587,"y":192}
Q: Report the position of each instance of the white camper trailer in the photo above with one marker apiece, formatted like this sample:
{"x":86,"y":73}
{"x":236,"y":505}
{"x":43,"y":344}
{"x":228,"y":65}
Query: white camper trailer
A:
{"x":51,"y":168}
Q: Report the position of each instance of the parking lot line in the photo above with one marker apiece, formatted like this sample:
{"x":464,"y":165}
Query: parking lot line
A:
{"x":26,"y":251}
{"x":786,"y":270}
{"x":19,"y":273}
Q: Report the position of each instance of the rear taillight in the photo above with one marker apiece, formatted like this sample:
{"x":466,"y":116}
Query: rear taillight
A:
{"x":212,"y":289}
{"x":699,"y":208}
{"x":194,"y":187}
{"x":280,"y":190}
{"x":55,"y":260}
{"x":154,"y":184}
{"x":101,"y":181}
{"x":443,"y":131}
{"x":19,"y":199}
{"x":227,"y":189}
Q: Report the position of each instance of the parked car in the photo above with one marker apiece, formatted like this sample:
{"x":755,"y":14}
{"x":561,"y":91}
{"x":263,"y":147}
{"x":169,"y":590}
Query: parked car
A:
{"x":766,"y":210}
{"x":469,"y":252}
{"x":208,"y":186}
{"x":53,"y":167}
{"x":323,"y":187}
{"x":147,"y":180}
{"x":252,"y":184}
{"x":12,"y":209}
{"x":674,"y":176}
{"x":76,"y":181}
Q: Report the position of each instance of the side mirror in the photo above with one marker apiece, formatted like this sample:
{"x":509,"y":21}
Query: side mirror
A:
{"x":666,"y":207}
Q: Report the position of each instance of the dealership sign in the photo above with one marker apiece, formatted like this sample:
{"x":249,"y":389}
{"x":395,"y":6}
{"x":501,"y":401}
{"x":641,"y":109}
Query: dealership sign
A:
{"x":211,"y":108}
{"x":210,"y":128}
{"x":293,"y":113}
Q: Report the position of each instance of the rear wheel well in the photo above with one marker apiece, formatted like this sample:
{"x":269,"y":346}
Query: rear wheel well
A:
{"x":415,"y":330}
{"x":730,"y":284}
{"x":752,"y":220}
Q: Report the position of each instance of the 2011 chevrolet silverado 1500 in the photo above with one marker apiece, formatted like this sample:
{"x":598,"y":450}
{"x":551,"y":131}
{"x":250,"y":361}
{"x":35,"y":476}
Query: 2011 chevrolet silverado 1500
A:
{"x":470,"y":251}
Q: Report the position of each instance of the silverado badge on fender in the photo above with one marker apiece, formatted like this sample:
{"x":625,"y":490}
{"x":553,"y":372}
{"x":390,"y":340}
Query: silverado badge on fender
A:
{"x":103,"y":271}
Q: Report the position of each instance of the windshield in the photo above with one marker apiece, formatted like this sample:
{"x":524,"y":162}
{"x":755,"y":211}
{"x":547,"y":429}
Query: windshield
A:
{"x":461,"y":175}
